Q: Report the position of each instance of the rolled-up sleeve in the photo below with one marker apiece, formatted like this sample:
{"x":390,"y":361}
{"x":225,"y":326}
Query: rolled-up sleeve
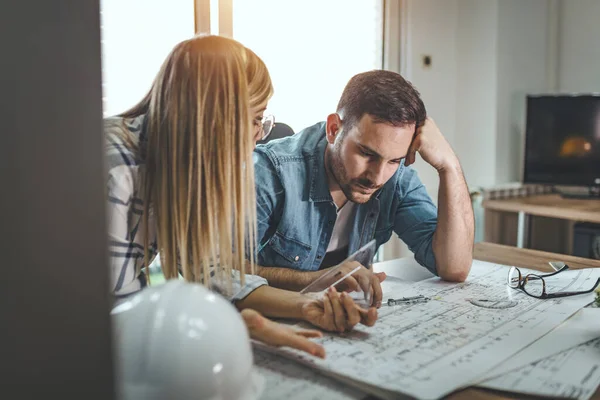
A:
{"x":416,"y":218}
{"x":232,"y":289}
{"x":240,"y":292}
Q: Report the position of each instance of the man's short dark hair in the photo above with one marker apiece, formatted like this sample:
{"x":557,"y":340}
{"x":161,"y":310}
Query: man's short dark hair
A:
{"x":386,"y":96}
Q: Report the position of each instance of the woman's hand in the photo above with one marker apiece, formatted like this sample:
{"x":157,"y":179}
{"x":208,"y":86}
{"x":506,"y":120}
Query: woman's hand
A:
{"x":363,"y":280}
{"x":275,"y":334}
{"x":337,"y":312}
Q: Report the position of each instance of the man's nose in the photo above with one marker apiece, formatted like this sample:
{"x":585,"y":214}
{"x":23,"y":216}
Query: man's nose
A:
{"x":377,"y":175}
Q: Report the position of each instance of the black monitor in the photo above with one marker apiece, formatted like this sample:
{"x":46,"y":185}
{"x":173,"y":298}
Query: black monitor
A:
{"x":562,"y":140}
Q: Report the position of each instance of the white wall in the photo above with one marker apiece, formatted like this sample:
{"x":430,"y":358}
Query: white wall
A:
{"x":432,"y":24}
{"x":579,"y":52}
{"x":476,"y":39}
{"x":486,"y":55}
{"x":522,"y":68}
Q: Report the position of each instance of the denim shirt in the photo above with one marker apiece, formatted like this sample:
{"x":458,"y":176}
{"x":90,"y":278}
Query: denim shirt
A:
{"x":296,"y":213}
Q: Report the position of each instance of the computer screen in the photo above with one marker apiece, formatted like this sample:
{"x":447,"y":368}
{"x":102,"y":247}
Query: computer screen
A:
{"x":562,"y":140}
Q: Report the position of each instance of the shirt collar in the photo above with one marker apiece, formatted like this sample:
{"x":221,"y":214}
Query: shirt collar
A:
{"x":319,"y":187}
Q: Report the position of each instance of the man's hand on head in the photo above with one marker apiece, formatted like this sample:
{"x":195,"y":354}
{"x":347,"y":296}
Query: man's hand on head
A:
{"x":432,"y":146}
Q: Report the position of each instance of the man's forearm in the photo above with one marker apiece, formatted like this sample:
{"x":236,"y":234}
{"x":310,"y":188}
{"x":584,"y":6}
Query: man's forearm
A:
{"x":275,"y":303}
{"x":287,"y":278}
{"x":453,"y":238}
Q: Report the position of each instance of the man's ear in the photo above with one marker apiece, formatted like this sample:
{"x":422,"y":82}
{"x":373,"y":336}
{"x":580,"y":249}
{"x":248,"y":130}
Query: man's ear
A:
{"x":333,"y":127}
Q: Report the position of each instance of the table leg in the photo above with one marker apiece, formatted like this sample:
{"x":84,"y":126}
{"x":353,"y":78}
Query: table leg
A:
{"x":522,"y":219}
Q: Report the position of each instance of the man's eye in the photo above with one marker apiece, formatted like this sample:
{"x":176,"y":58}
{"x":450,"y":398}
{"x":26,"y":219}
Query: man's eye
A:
{"x":367,"y":154}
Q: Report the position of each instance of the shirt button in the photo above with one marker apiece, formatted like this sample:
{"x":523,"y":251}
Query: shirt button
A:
{"x":371,"y":215}
{"x":296,"y":258}
{"x":318,"y":257}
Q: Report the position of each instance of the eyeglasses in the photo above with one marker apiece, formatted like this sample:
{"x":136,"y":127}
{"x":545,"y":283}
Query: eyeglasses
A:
{"x":535,"y":286}
{"x":264,"y":127}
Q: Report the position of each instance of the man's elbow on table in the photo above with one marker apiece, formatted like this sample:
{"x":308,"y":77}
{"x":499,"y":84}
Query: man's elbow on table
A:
{"x":455,"y":270}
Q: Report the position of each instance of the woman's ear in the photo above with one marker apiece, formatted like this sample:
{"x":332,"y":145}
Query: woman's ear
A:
{"x":333,"y":127}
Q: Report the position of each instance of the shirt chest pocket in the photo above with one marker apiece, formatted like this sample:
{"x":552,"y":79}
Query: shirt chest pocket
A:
{"x":283,"y":251}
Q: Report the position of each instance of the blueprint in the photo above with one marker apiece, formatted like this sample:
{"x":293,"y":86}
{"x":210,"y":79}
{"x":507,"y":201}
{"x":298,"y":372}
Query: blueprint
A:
{"x":574,"y":373}
{"x":284,"y":379}
{"x":581,"y":328}
{"x":432,"y":348}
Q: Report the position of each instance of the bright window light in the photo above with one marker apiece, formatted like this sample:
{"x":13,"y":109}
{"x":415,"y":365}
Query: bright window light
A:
{"x":137,"y":35}
{"x":312,"y":48}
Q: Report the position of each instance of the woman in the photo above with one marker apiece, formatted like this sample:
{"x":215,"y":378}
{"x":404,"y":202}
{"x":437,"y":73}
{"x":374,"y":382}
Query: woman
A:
{"x":181,"y":184}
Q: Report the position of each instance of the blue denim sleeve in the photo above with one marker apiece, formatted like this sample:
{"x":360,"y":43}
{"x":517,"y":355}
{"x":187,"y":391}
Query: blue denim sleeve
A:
{"x":416,"y":218}
{"x":269,"y":196}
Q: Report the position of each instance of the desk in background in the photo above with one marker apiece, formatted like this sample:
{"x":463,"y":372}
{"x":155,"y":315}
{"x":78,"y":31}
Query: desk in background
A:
{"x":547,"y":205}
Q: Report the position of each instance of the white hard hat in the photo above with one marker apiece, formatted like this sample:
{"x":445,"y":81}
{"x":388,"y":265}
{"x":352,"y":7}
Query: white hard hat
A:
{"x":179,"y":340}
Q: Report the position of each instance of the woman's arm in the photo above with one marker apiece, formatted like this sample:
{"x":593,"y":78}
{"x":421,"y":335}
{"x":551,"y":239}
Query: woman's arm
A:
{"x":275,"y":334}
{"x":332,"y":312}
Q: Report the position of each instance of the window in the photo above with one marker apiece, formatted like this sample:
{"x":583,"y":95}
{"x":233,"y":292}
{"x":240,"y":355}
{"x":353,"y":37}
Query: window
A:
{"x":137,"y":35}
{"x":312,"y":48}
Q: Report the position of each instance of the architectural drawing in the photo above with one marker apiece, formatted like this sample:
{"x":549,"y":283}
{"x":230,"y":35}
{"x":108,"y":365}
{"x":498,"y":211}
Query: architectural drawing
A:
{"x":580,"y":328}
{"x":430,"y":349}
{"x":574,"y":373}
{"x":284,"y":379}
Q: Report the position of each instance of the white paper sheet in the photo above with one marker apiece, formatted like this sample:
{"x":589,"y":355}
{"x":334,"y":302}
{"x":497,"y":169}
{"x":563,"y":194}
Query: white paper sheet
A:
{"x":581,"y":328}
{"x":284,"y":379}
{"x":407,"y":269}
{"x":574,"y":374}
{"x":431,"y":349}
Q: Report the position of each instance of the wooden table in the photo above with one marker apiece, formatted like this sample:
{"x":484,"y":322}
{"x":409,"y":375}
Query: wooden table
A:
{"x":527,"y":259}
{"x":547,"y":205}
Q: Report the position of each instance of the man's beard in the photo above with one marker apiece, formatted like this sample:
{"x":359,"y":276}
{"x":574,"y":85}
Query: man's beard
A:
{"x":336,"y":167}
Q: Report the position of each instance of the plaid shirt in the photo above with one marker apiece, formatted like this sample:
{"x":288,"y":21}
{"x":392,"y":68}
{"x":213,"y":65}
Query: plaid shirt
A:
{"x":125,"y":209}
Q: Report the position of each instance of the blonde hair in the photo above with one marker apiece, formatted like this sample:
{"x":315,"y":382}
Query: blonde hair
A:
{"x":198,"y":174}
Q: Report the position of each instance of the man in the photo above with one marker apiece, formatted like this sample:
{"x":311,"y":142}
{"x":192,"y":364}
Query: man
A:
{"x":328,"y":190}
